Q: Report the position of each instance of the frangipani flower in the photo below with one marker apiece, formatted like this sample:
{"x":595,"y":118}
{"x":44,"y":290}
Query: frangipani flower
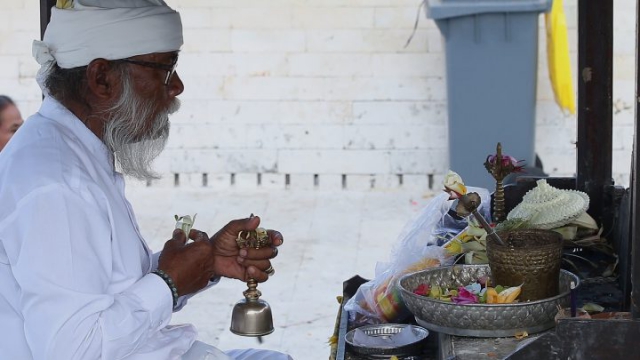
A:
{"x":454,"y":186}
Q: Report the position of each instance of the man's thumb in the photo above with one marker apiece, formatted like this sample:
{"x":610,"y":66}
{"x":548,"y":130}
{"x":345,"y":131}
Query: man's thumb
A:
{"x":251,"y":222}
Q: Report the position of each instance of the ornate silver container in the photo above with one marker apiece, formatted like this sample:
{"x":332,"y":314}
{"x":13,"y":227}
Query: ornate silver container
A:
{"x":479,"y":320}
{"x":386,"y":330}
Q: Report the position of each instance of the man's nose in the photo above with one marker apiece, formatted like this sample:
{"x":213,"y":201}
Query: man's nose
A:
{"x":176,"y":87}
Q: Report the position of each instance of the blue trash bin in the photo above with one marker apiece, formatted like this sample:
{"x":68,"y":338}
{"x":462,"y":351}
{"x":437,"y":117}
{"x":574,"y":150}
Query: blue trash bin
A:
{"x":491,"y":49}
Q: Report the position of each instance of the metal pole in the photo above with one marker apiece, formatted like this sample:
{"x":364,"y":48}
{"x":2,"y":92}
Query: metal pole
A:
{"x":45,"y":14}
{"x":635,"y":185}
{"x":595,"y":117}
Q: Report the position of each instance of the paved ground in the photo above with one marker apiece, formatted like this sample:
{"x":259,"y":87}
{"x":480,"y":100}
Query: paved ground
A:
{"x":329,"y":237}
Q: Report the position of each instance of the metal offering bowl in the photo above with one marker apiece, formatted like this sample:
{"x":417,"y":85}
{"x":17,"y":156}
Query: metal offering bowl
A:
{"x":382,"y":330}
{"x":479,"y":320}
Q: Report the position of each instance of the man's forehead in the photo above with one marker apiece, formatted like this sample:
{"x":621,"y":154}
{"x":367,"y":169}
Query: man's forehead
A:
{"x":162,"y":56}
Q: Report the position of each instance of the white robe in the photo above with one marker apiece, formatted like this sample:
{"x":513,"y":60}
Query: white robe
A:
{"x":74,"y":269}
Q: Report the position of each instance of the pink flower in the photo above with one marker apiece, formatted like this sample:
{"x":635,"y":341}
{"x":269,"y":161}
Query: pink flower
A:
{"x":507,"y":161}
{"x":464,"y":297}
{"x":422,"y":289}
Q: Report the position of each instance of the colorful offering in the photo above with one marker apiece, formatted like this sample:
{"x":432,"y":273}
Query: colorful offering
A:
{"x":475,"y":293}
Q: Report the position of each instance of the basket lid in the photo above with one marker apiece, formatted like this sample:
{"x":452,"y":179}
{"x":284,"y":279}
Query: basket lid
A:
{"x":546,"y":207}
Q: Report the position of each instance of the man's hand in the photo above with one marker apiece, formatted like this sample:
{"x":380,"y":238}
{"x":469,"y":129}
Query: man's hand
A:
{"x":233,"y":262}
{"x":190,"y":266}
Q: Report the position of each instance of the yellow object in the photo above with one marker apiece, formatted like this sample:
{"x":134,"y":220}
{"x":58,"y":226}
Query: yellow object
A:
{"x":453,"y":183}
{"x":422,"y":264}
{"x":454,"y":247}
{"x":509,"y":295}
{"x":558,"y":57}
{"x":333,"y":340}
{"x":64,"y":4}
{"x":492,"y":296}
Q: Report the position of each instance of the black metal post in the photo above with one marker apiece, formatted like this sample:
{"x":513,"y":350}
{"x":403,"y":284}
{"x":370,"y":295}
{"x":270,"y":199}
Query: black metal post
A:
{"x":45,"y":14}
{"x":595,"y":117}
{"x":635,"y":186}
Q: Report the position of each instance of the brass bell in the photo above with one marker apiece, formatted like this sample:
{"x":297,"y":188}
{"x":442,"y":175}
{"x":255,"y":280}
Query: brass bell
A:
{"x":251,"y":316}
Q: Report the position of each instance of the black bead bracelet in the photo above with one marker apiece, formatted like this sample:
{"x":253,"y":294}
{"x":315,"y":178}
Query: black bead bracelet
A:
{"x":172,"y":286}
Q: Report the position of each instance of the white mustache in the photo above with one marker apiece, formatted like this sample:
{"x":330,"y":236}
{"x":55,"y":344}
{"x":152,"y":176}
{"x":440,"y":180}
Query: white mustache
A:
{"x":174,"y":106}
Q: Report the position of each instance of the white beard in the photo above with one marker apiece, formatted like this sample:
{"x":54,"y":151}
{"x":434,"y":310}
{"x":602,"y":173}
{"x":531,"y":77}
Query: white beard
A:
{"x":134,"y":154}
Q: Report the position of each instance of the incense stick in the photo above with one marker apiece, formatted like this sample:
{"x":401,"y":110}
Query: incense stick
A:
{"x":573,"y":299}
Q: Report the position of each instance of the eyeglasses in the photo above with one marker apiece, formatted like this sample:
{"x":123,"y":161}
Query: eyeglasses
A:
{"x":169,"y":68}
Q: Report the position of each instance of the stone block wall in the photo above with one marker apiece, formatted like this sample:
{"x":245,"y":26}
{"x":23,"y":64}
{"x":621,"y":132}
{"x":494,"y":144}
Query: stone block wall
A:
{"x":323,"y":94}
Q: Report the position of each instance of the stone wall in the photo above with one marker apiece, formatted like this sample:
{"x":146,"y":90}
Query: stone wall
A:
{"x":323,"y":94}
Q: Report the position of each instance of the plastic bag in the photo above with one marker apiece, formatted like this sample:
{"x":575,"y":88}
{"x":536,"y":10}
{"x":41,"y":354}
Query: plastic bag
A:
{"x":419,"y":246}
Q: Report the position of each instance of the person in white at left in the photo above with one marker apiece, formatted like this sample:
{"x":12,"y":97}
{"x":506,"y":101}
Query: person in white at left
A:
{"x":10,"y":120}
{"x":78,"y":280}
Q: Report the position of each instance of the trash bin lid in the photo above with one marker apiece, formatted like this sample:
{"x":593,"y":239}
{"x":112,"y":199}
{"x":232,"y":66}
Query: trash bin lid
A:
{"x":442,"y":9}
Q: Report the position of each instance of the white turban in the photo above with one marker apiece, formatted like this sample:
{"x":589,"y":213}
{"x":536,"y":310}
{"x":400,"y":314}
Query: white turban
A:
{"x":85,"y":30}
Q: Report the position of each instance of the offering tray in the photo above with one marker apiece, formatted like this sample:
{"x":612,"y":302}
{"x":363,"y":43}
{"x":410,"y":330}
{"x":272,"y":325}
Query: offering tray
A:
{"x":479,"y":320}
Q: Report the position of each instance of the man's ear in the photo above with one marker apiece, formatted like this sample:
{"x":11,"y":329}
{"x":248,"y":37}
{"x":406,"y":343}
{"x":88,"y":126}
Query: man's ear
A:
{"x":101,"y":79}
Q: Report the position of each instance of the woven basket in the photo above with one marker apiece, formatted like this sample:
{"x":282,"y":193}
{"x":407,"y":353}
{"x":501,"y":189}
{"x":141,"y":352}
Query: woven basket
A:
{"x":529,"y":257}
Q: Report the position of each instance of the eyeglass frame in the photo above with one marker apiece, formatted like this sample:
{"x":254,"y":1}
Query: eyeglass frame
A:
{"x":169,"y":68}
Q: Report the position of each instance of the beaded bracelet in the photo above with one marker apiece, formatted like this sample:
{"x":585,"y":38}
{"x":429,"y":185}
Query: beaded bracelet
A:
{"x":172,"y":286}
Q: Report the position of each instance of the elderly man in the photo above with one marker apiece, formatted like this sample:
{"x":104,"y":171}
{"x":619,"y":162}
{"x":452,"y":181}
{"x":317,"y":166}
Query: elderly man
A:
{"x":78,"y":280}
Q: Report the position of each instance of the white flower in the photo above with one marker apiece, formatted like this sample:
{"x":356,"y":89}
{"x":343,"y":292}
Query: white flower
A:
{"x":185,"y":223}
{"x":453,"y":185}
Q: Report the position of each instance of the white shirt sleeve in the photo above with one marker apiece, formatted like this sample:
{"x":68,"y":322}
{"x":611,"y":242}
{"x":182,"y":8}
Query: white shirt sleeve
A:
{"x":182,"y":300}
{"x":61,"y":255}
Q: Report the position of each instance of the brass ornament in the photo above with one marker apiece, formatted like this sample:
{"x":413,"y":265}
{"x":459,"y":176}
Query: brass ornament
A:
{"x":252,"y":316}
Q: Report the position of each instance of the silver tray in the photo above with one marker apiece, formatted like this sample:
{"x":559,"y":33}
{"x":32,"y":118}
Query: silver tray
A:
{"x":479,"y":320}
{"x":382,"y":330}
